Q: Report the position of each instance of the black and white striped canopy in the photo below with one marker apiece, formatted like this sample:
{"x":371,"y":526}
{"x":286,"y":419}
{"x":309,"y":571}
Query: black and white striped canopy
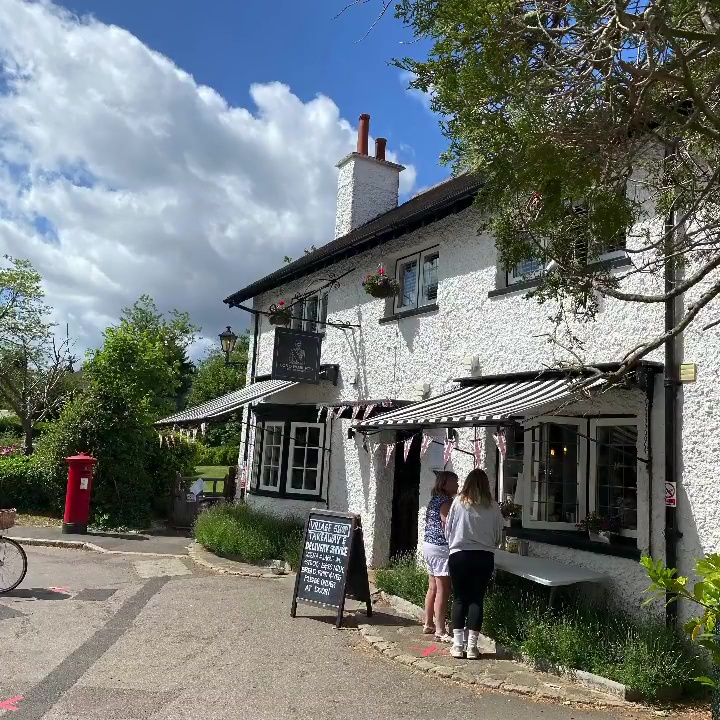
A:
{"x":493,"y":403}
{"x":227,"y":404}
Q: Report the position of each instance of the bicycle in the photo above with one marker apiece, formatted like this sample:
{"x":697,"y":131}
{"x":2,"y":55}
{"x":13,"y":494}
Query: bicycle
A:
{"x":13,"y":560}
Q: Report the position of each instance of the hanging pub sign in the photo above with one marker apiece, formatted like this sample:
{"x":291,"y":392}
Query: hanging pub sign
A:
{"x":332,"y":565}
{"x":296,"y":356}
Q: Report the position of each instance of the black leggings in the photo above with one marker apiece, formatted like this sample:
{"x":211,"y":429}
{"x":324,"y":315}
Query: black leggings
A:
{"x":470,"y":573}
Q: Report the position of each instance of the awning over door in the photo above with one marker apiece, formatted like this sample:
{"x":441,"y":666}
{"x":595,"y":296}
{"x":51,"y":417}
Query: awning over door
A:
{"x":493,"y":403}
{"x":227,"y":404}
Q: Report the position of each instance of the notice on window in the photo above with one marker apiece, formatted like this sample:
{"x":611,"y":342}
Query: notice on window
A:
{"x":325,"y":560}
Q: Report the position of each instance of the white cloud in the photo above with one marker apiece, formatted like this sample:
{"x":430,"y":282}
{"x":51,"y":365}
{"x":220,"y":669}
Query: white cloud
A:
{"x":424,"y":98}
{"x":119,"y":175}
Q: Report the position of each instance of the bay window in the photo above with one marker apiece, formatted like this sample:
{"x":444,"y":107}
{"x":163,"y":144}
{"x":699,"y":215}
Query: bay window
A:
{"x":418,"y":275}
{"x":574,"y":466}
{"x":289,"y":455}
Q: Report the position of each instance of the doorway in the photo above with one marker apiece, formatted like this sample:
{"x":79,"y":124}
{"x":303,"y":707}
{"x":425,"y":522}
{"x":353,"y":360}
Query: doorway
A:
{"x":406,"y":497}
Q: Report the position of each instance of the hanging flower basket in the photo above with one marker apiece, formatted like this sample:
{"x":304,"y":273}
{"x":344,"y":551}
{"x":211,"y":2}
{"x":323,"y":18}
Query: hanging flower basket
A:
{"x":280,"y":314}
{"x":379,"y":285}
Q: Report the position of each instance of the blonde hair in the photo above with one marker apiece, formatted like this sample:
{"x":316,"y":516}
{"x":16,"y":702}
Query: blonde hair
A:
{"x":476,"y":489}
{"x":441,"y":480}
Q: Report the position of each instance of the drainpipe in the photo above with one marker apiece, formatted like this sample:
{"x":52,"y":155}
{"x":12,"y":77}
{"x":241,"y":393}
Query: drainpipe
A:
{"x":671,"y":384}
{"x":246,"y":410}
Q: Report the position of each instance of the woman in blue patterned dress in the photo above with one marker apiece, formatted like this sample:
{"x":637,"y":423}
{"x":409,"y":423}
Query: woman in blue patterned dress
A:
{"x":436,"y":555}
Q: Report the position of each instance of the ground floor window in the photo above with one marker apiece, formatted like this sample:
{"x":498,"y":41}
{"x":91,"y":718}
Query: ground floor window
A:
{"x":289,"y":457}
{"x":574,"y":466}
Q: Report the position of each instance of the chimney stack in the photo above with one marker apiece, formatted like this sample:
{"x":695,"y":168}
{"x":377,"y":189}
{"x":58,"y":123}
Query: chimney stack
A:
{"x":380,"y":145}
{"x":363,"y":134}
{"x":367,"y":186}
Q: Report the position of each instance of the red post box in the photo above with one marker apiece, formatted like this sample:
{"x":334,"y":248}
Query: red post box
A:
{"x":77,"y":498}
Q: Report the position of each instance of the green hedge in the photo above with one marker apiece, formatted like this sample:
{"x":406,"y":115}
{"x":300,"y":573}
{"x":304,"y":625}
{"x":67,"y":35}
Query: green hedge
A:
{"x":224,"y":455}
{"x":23,"y":486}
{"x":250,"y":535}
{"x":643,"y":654}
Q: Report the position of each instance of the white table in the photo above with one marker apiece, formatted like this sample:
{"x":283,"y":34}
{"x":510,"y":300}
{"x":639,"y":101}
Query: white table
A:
{"x":551,"y":573}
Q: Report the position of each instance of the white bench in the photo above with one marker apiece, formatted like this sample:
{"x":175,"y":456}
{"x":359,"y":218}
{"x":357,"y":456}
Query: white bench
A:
{"x":551,"y":573}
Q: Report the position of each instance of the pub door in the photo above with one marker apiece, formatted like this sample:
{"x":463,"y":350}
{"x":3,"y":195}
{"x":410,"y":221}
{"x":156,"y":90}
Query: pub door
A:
{"x":406,"y":498}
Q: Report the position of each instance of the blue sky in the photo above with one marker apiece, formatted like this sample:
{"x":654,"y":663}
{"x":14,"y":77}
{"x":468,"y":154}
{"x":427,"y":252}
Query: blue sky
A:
{"x":230,"y":44}
{"x":183,"y":149}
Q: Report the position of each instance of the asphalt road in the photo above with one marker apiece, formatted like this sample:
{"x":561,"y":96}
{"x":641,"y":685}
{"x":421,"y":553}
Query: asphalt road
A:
{"x":112,"y":637}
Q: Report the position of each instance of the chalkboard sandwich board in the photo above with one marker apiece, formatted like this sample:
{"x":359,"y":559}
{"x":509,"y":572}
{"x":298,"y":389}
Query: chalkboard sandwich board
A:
{"x":333,"y":563}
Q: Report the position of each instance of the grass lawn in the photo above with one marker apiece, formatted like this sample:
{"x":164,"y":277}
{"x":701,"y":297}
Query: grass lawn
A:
{"x":32,"y":520}
{"x":211,"y":471}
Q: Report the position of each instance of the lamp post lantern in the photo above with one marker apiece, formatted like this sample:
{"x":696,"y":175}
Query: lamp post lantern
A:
{"x":228,"y":339}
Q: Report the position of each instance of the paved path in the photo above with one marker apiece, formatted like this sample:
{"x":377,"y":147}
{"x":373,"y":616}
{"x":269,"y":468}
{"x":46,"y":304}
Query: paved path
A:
{"x":92,"y":636}
{"x":166,"y":544}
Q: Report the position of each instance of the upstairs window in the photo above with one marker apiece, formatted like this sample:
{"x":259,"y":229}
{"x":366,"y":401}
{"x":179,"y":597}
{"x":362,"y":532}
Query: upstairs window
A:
{"x":310,"y":314}
{"x":418,"y":275}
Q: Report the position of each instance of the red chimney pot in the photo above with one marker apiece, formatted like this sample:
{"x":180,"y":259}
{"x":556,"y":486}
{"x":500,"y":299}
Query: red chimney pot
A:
{"x":380,"y":145}
{"x":363,"y":134}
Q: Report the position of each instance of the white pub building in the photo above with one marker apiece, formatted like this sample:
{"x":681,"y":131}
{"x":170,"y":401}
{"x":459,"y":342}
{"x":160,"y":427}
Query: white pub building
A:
{"x":454,"y":370}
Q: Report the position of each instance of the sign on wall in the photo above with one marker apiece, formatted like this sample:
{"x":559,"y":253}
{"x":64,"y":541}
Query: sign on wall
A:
{"x":670,"y":494}
{"x":296,"y":356}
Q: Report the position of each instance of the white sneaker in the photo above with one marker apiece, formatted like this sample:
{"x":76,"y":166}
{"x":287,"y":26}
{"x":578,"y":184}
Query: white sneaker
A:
{"x":473,"y":653}
{"x":457,"y":651}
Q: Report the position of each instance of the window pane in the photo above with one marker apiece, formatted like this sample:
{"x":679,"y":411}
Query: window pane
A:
{"x":617,"y":473}
{"x":298,"y":457}
{"x":300,"y":436}
{"x":314,"y":437}
{"x":297,"y":479}
{"x":407,"y":275}
{"x":311,"y":460}
{"x":515,"y":441}
{"x":310,"y":480}
{"x":311,"y":313}
{"x":323,"y":310}
{"x":297,"y":313}
{"x":554,"y":486}
{"x":431,"y":263}
{"x":524,"y":270}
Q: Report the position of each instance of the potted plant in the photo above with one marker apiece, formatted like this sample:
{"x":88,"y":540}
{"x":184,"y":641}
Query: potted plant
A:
{"x":599,"y":528}
{"x":379,"y":285}
{"x":512,"y":512}
{"x":280,"y":314}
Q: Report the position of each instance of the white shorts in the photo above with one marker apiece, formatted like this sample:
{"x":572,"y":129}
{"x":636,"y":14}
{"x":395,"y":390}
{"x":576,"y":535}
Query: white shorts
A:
{"x":436,"y":558}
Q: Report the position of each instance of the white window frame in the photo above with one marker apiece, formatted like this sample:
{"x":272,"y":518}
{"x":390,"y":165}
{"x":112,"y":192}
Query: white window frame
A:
{"x":260,"y":435}
{"x":530,"y":470}
{"x":300,"y":320}
{"x":289,"y":490}
{"x":513,"y":276}
{"x":592,"y":480}
{"x":419,"y":258}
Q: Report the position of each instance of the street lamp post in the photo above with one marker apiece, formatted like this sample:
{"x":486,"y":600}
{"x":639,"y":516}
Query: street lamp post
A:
{"x":227,"y":342}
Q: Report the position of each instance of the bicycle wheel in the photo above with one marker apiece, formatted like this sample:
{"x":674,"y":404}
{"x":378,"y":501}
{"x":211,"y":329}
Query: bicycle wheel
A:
{"x":13,"y":564}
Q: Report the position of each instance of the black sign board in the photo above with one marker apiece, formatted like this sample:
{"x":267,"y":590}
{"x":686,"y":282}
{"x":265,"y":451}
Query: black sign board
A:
{"x":333,"y":563}
{"x":296,"y":356}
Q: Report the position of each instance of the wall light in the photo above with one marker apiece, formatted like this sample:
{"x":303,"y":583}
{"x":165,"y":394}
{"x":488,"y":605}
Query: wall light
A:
{"x":471,"y":364}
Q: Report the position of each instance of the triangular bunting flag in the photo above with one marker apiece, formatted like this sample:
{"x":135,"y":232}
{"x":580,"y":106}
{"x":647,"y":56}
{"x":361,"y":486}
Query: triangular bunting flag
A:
{"x":368,"y":411}
{"x":406,"y":447}
{"x":320,"y":412}
{"x":426,"y":442}
{"x":449,"y":447}
{"x":388,"y":453}
{"x":477,"y":447}
{"x":501,"y":443}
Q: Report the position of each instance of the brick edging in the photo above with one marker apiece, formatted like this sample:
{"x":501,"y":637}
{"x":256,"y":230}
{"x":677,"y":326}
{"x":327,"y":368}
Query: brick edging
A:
{"x":204,"y":557}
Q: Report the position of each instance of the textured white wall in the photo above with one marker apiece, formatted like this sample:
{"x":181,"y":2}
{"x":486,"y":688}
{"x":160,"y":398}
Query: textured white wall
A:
{"x":367,"y":187}
{"x":508,"y":334}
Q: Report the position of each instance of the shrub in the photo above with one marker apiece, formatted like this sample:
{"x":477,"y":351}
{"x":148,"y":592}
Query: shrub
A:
{"x":253,"y":536}
{"x":21,"y":484}
{"x":643,"y":654}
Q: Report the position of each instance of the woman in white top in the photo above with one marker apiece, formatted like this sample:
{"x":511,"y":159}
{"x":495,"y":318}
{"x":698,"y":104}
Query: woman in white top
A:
{"x":473,"y":529}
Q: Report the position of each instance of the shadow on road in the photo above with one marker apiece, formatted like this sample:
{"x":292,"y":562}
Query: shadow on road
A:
{"x":37,"y":594}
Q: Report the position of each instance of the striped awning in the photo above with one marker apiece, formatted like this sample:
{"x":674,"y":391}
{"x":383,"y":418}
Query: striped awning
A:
{"x":493,"y":403}
{"x":227,"y":404}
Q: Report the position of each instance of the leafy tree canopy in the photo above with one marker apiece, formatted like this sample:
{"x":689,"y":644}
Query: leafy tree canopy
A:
{"x":576,"y":115}
{"x":213,"y":379}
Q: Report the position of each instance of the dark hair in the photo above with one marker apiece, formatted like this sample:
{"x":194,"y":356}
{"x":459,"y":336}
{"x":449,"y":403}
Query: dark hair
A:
{"x":442,"y":478}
